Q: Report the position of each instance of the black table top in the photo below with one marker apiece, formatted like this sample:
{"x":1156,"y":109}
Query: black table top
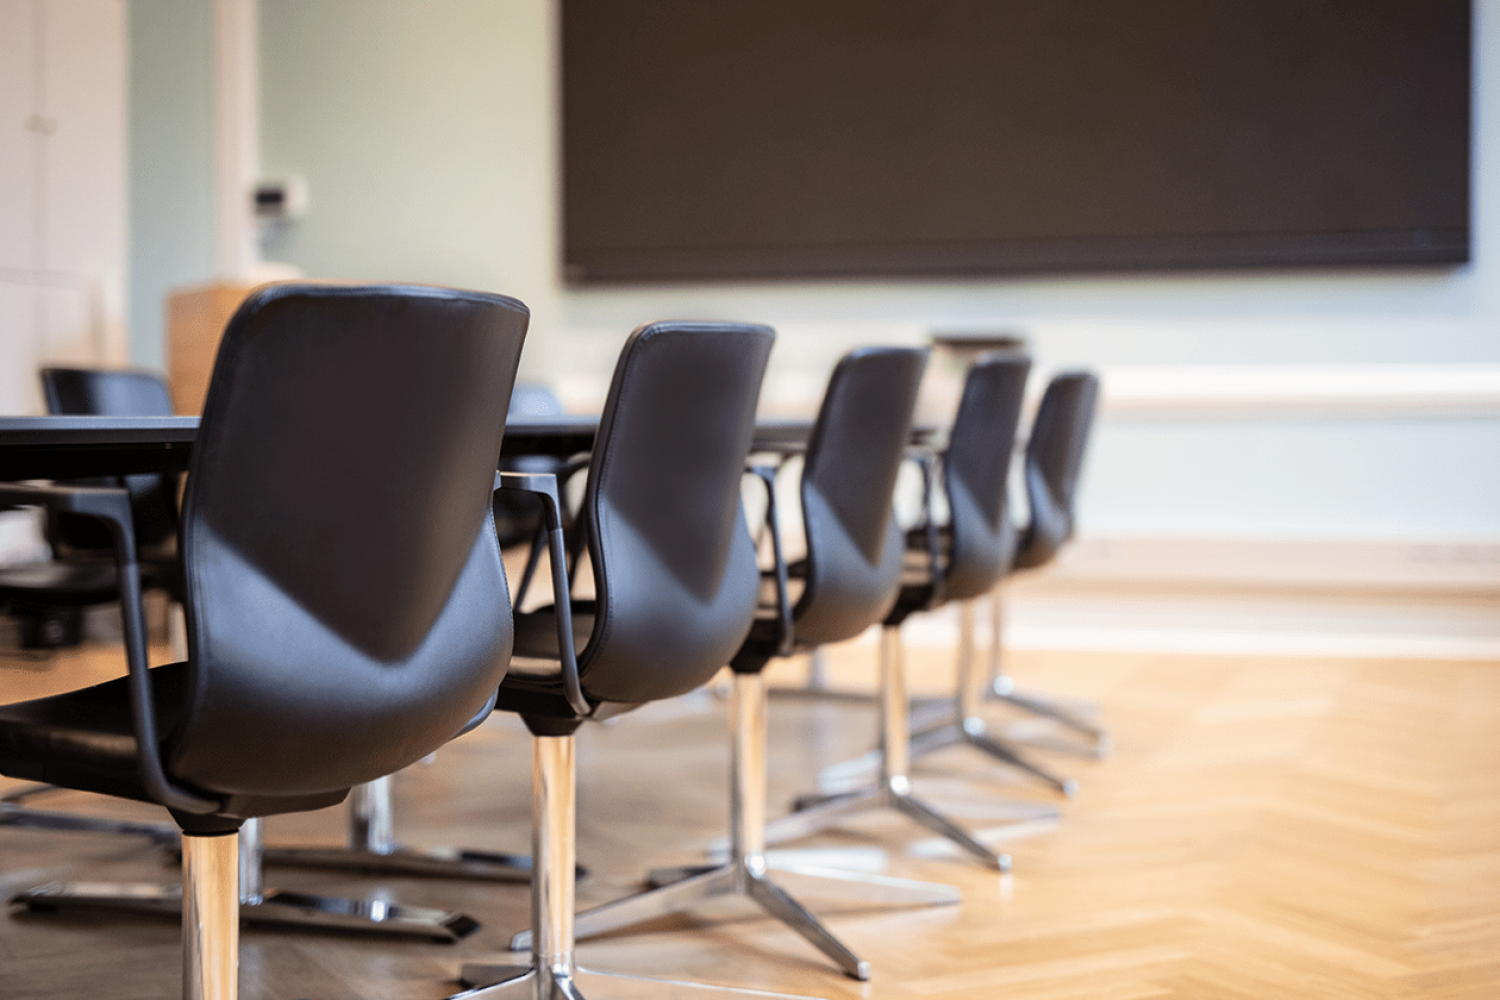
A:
{"x":78,"y":447}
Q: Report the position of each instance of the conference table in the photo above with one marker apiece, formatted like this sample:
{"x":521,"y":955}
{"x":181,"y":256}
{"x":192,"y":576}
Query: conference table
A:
{"x":75,"y":447}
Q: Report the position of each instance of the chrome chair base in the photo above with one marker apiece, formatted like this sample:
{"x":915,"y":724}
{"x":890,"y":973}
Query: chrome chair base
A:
{"x":1096,"y":739}
{"x":373,"y":848}
{"x":711,"y":884}
{"x":552,"y":973}
{"x":279,"y":909}
{"x":892,"y":789}
{"x":678,"y":889}
{"x":1000,"y":687}
{"x":972,"y":731}
{"x":746,"y":872}
{"x":963,"y":725}
{"x":509,"y":982}
{"x":257,"y":904}
{"x":436,"y":862}
{"x":814,"y":813}
{"x":14,"y":812}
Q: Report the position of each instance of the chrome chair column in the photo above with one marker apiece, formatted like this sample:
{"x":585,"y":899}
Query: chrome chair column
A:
{"x":747,"y":871}
{"x":553,"y":839}
{"x":210,"y":917}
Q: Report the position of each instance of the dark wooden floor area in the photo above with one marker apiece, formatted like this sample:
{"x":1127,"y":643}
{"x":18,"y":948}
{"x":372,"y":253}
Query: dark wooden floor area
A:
{"x":1265,"y":828}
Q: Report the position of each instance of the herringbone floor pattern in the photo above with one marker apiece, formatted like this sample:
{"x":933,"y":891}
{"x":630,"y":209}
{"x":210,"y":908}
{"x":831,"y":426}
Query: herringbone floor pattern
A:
{"x":1265,"y":828}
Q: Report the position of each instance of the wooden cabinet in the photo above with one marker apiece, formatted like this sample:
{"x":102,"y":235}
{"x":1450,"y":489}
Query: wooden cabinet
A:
{"x":195,"y":322}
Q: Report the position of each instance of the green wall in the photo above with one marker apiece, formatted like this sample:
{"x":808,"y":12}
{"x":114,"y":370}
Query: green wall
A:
{"x":171,"y":239}
{"x":402,"y":118}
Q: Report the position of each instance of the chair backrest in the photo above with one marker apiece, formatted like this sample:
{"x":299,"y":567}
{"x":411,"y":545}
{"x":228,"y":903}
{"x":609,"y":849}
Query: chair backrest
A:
{"x":1054,"y":458}
{"x":114,"y":392}
{"x":118,"y":393}
{"x":976,"y":467}
{"x":346,"y":603}
{"x":854,"y":546}
{"x":673,"y":563}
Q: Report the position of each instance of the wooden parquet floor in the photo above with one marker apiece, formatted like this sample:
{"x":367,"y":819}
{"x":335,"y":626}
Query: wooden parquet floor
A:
{"x":1265,"y":828}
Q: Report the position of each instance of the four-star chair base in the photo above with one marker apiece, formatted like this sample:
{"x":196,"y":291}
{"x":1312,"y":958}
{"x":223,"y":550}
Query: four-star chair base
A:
{"x":747,"y":872}
{"x":1001,"y":687}
{"x":257,"y":905}
{"x":892,"y":789}
{"x":965,"y":725}
{"x":529,"y":983}
{"x":374,"y":848}
{"x":553,"y":974}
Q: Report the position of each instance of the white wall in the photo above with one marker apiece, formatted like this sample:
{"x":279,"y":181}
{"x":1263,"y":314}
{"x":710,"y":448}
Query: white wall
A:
{"x":426,"y":133}
{"x":62,"y":190}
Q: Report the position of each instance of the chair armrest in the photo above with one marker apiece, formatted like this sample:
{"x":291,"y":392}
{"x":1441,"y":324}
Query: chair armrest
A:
{"x":544,"y":486}
{"x":87,"y":501}
{"x":111,"y":506}
{"x":767,"y":475}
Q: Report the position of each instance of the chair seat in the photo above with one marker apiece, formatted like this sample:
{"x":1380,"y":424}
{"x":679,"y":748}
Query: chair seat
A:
{"x":79,"y":582}
{"x":84,"y":739}
{"x":535,"y":656}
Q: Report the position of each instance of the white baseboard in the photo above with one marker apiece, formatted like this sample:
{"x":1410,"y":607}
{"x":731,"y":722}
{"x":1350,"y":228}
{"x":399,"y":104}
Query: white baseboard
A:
{"x":1219,"y":622}
{"x":1467,"y":566}
{"x":1224,"y":596}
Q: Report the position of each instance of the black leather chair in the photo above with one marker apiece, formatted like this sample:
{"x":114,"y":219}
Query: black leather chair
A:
{"x":49,"y":596}
{"x":81,"y":572}
{"x":953,"y":561}
{"x":675,"y":584}
{"x":964,"y":560}
{"x":153,"y":496}
{"x":848,"y":582}
{"x":1053,"y":462}
{"x":347,"y":609}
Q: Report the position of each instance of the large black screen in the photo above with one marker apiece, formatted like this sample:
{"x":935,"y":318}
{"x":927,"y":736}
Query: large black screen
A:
{"x":806,"y":138}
